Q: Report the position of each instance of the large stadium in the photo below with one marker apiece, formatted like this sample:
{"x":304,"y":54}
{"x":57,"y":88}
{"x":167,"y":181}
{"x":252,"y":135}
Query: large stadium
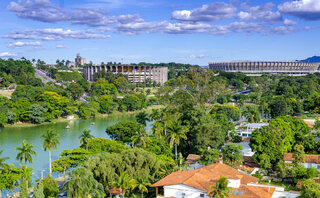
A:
{"x":266,"y":67}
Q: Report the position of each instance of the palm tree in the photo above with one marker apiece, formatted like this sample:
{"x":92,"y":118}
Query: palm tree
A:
{"x":140,"y":137}
{"x":85,"y":137}
{"x":141,"y":184}
{"x":176,"y":132}
{"x":155,"y":115}
{"x":25,"y":153}
{"x":82,"y":184}
{"x":221,"y":190}
{"x":50,"y":142}
{"x":142,"y":118}
{"x":123,"y":183}
{"x":251,"y":114}
{"x":3,"y":165}
{"x":2,"y":159}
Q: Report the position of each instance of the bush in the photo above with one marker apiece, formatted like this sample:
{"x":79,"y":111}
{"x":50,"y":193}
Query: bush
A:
{"x":50,"y":187}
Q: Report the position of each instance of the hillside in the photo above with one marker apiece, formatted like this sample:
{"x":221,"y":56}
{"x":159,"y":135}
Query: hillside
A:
{"x":314,"y":59}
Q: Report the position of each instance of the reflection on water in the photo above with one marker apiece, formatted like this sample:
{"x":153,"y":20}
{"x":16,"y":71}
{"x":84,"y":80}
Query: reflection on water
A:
{"x":10,"y":138}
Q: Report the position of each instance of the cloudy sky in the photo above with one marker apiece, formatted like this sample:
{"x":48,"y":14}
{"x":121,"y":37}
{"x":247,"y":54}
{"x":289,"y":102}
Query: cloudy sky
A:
{"x":187,"y":31}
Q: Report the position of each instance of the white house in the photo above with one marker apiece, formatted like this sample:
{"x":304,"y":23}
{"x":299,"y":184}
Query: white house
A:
{"x":310,"y":160}
{"x":196,"y":183}
{"x":246,"y":130}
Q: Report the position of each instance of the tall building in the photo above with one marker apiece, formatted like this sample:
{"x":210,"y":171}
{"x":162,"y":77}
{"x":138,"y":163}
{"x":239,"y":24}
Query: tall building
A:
{"x":80,"y":61}
{"x":135,"y":73}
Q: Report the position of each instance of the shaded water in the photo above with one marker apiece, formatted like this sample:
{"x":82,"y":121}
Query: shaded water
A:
{"x":10,"y":138}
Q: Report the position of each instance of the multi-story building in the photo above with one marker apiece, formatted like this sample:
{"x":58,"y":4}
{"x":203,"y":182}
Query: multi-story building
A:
{"x":135,"y":73}
{"x":79,"y":61}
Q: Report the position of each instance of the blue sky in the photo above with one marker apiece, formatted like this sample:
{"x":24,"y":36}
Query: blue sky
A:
{"x":186,"y":31}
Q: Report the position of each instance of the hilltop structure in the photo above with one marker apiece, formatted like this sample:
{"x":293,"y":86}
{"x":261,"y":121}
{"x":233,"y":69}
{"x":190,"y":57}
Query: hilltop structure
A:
{"x":79,"y":61}
{"x":135,"y":73}
{"x":294,"y":68}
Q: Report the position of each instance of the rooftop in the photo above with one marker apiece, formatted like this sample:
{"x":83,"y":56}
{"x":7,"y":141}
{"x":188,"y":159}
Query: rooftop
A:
{"x":203,"y":178}
{"x":309,"y":158}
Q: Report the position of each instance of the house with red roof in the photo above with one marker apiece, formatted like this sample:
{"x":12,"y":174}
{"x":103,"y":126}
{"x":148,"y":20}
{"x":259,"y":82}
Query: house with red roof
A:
{"x":310,"y":160}
{"x":196,"y":183}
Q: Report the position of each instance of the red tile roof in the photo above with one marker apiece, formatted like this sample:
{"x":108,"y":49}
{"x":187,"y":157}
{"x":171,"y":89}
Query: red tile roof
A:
{"x":299,"y":184}
{"x":203,"y":178}
{"x":307,"y":123}
{"x":254,"y":192}
{"x":309,"y":158}
{"x":115,"y":191}
{"x":192,"y":158}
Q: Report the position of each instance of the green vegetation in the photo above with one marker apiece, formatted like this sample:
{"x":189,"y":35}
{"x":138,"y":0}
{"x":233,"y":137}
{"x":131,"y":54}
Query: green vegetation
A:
{"x":221,"y":190}
{"x":198,"y":117}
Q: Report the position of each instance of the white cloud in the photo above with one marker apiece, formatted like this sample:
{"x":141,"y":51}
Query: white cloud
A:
{"x":54,"y":34}
{"x":305,"y":9}
{"x":289,"y":22}
{"x":133,"y":24}
{"x":208,"y":12}
{"x":7,"y":55}
{"x":200,"y":56}
{"x":20,"y":44}
{"x":60,"y":46}
{"x":263,"y":13}
{"x":45,"y":11}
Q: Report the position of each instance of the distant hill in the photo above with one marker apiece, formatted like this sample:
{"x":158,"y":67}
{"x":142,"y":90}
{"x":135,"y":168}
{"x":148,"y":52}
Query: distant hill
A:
{"x":314,"y":59}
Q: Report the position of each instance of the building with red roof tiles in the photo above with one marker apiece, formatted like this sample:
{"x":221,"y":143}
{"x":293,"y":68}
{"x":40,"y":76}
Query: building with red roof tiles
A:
{"x":196,"y":183}
{"x":310,"y":160}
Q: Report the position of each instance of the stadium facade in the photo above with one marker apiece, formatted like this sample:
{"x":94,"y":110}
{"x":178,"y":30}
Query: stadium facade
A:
{"x":266,"y":67}
{"x":135,"y":73}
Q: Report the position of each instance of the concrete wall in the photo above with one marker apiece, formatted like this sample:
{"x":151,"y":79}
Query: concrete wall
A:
{"x":135,"y":73}
{"x":178,"y":190}
{"x":266,"y":67}
{"x":234,"y":183}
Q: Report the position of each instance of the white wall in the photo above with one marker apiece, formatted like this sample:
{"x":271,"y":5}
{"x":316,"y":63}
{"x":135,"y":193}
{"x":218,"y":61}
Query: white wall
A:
{"x":234,"y":183}
{"x":285,"y":194}
{"x":313,"y":165}
{"x":177,"y":190}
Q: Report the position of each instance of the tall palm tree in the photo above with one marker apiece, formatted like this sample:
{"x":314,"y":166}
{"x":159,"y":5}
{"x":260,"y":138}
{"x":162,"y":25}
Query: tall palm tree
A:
{"x":176,"y":132}
{"x":141,"y":184}
{"x":221,"y":190}
{"x":123,"y":183}
{"x":85,"y":137}
{"x":140,"y":137}
{"x":50,"y":142}
{"x":142,"y":118}
{"x":25,"y":153}
{"x":82,"y":185}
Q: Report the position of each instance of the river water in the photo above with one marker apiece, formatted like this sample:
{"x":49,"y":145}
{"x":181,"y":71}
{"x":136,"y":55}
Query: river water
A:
{"x":10,"y":138}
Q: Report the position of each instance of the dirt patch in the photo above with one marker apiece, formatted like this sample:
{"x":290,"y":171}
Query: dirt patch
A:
{"x":6,"y":93}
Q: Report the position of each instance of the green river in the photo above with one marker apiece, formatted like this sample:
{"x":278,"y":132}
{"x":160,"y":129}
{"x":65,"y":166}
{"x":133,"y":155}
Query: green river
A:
{"x":10,"y":138}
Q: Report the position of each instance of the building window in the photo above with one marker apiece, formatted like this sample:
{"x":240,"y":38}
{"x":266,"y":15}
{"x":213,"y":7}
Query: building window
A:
{"x":201,"y":195}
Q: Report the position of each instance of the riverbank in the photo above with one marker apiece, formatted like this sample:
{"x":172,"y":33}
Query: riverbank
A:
{"x":116,"y":113}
